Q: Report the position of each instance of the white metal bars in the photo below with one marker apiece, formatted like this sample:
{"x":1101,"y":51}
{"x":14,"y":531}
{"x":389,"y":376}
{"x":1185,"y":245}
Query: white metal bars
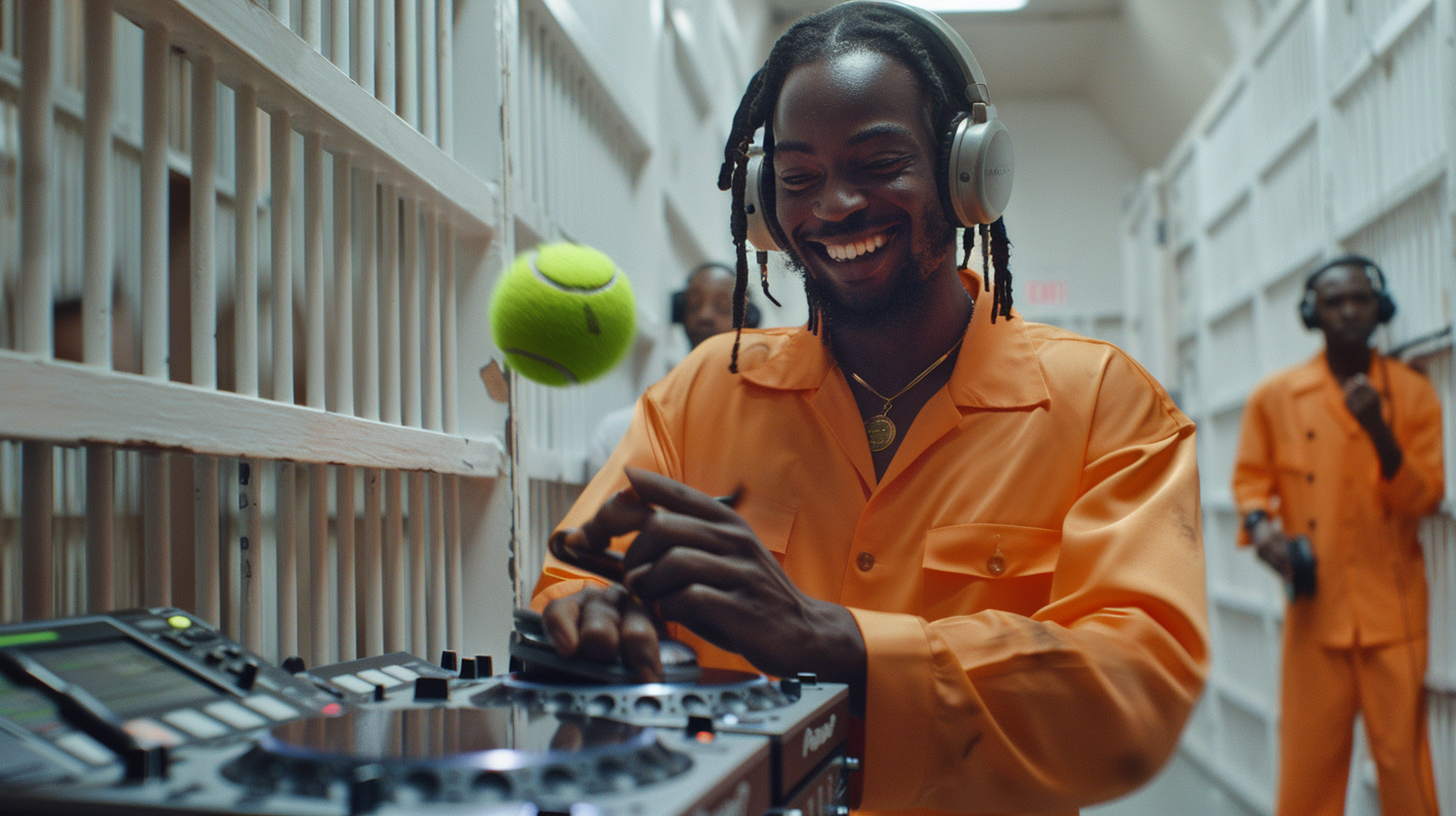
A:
{"x":397,"y":50}
{"x":218,"y":415}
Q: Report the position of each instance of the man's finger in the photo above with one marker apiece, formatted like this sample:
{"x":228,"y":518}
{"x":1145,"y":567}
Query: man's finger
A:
{"x":639,"y":649}
{"x":667,"y":531}
{"x":682,"y":567}
{"x":623,"y":513}
{"x":600,"y":626}
{"x":560,"y":621}
{"x":672,"y":495}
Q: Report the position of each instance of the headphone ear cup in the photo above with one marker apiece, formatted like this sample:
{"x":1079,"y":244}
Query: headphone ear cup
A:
{"x":1307,"y":313}
{"x":751,"y":317}
{"x":1387,"y":307}
{"x":763,"y":233}
{"x":945,"y":169}
{"x":979,"y":169}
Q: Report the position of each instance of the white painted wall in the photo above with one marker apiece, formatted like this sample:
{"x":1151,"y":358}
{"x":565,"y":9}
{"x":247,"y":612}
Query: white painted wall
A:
{"x":1072,"y":172}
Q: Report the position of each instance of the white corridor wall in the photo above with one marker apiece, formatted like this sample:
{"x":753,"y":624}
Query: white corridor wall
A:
{"x":1333,"y":134}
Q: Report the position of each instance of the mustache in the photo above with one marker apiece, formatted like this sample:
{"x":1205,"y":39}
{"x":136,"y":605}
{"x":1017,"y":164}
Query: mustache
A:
{"x":836,"y":229}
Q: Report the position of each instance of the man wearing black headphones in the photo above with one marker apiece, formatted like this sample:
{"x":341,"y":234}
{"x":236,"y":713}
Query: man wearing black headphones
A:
{"x":988,"y":529}
{"x":1338,"y":460}
{"x":705,"y":307}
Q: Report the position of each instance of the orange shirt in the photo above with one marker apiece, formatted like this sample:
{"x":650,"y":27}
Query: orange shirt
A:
{"x":1028,"y":575}
{"x":1304,"y":459}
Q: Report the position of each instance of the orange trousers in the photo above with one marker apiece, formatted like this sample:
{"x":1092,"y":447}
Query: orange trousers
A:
{"x":1323,"y":688}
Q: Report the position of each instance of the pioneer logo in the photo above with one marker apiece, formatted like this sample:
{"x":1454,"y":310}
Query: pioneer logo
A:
{"x":735,"y":805}
{"x":998,"y":171}
{"x":816,"y":737}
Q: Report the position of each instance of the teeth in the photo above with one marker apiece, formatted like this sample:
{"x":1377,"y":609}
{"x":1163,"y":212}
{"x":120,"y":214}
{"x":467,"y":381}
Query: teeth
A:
{"x":848,"y":252}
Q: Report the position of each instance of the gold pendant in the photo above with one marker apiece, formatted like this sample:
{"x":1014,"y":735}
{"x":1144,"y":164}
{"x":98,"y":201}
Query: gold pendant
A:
{"x":881,"y":432}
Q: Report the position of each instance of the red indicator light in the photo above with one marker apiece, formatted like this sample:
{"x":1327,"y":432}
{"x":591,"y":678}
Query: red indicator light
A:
{"x":333,"y":710}
{"x":704,"y":736}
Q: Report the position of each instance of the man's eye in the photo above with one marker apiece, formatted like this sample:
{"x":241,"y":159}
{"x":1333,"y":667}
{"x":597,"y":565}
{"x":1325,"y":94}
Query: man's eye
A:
{"x":796,"y":180}
{"x":891,"y":165}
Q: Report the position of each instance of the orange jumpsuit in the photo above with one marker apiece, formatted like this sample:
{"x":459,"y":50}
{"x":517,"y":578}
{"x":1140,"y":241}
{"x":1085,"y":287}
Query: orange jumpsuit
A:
{"x":1360,"y":642}
{"x":1027,"y":575}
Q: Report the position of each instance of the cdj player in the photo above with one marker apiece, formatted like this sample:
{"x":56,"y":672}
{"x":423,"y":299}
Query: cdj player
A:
{"x":147,"y":711}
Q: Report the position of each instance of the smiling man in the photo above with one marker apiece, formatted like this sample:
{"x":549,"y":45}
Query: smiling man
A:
{"x":988,"y":529}
{"x":1344,"y":452}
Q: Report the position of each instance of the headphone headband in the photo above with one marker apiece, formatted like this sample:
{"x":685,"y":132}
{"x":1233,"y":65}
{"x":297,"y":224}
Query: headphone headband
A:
{"x":1349,"y":260}
{"x":976,"y":90}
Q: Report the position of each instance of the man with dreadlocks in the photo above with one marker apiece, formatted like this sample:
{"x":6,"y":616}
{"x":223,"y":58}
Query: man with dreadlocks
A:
{"x":988,"y":529}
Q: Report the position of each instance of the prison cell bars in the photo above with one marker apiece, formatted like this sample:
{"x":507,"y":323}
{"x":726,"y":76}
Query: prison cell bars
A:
{"x":228,"y":585}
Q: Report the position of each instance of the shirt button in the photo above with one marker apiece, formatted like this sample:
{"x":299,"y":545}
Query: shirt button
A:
{"x":1311,"y":524}
{"x":865,"y":562}
{"x":996,"y":565}
{"x":1311,"y":434}
{"x":1309,"y":477}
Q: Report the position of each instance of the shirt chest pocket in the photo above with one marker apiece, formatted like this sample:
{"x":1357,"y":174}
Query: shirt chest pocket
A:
{"x":771,"y":521}
{"x":962,"y":554}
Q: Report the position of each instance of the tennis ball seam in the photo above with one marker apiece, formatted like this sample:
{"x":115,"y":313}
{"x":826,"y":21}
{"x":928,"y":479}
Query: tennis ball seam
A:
{"x":582,"y":290}
{"x":544,"y":360}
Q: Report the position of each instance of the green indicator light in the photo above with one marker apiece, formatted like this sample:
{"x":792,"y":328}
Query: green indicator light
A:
{"x":28,"y":637}
{"x":179,"y":621}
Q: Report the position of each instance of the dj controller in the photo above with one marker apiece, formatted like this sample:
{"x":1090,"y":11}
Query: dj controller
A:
{"x":156,"y":711}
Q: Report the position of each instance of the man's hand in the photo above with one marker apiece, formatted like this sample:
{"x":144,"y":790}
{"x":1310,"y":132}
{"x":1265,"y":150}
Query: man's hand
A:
{"x":1364,"y":403}
{"x":1270,"y":545}
{"x":700,"y":564}
{"x":696,"y":561}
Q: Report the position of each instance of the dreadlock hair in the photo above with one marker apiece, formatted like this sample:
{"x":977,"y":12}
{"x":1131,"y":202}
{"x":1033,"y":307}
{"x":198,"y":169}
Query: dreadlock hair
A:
{"x":839,"y":30}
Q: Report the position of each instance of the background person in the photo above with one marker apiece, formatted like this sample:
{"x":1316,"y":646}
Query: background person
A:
{"x":704,"y":307}
{"x":988,"y":529}
{"x":1345,"y":449}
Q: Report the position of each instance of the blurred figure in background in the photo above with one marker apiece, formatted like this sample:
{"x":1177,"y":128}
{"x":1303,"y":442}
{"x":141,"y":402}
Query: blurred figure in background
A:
{"x":1338,"y":459}
{"x":704,"y":308}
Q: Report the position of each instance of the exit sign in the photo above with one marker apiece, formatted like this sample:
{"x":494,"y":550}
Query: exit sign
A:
{"x":1046,"y":293}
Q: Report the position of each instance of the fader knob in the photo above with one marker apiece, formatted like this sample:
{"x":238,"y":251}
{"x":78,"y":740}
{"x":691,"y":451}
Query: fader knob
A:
{"x":294,"y":665}
{"x":366,"y":789}
{"x":247,"y":675}
{"x":432,"y":688}
{"x":448,"y":660}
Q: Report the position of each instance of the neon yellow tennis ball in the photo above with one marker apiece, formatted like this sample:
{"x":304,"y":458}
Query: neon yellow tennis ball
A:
{"x":562,"y":314}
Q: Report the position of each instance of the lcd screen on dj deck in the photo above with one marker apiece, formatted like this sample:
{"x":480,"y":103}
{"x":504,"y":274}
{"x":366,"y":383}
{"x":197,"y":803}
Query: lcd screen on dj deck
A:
{"x":127,"y":677}
{"x":29,"y":709}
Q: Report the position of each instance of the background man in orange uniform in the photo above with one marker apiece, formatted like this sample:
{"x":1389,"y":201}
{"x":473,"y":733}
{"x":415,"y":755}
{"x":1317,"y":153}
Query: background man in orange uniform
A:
{"x":704,"y":308}
{"x":1346,"y":450}
{"x":988,"y":529}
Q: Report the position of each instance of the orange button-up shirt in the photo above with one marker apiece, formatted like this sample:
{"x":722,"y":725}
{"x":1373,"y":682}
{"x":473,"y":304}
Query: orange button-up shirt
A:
{"x":1027,"y":575}
{"x":1305,"y":460}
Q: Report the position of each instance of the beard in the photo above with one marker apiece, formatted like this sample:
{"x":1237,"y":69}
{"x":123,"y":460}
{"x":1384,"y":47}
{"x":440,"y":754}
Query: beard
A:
{"x":928,"y":250}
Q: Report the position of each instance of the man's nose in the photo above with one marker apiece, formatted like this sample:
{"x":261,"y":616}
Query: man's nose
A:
{"x":837,"y":200}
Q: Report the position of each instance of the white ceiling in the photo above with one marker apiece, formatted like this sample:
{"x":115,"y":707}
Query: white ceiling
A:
{"x":1145,"y":65}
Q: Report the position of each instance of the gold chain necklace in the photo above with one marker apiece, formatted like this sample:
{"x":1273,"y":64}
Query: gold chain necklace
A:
{"x":879,"y":429}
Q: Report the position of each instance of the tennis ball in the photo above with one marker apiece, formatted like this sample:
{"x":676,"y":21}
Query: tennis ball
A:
{"x":562,"y":314}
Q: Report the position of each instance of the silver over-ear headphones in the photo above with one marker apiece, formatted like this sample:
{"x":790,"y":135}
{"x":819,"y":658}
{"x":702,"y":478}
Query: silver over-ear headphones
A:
{"x":976,"y":153}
